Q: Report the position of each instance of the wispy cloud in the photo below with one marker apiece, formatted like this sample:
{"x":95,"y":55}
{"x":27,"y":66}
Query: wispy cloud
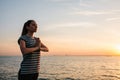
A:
{"x":97,"y":3}
{"x":113,"y":19}
{"x":91,"y":13}
{"x":58,"y":0}
{"x":84,"y":3}
{"x":76,"y":24}
{"x":70,"y":25}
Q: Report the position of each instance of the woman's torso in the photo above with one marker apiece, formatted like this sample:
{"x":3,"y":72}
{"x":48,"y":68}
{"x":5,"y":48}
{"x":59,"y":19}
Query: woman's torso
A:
{"x":31,"y":61}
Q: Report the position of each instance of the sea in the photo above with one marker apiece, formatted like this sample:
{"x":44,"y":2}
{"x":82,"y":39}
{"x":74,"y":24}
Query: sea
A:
{"x":66,"y":67}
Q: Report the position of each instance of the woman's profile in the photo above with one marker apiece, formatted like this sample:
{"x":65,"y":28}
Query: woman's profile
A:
{"x":30,"y":47}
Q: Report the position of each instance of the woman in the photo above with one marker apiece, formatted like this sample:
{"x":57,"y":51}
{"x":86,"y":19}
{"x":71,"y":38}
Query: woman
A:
{"x":30,"y":47}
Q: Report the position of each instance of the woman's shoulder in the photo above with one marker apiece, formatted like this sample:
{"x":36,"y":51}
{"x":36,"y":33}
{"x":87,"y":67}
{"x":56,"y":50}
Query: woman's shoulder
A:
{"x":23,"y":37}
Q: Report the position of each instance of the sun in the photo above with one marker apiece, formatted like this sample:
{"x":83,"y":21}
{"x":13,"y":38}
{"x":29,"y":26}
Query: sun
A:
{"x":117,"y":49}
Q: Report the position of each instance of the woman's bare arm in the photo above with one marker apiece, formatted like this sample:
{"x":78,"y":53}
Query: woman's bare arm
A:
{"x":25,"y":50}
{"x":43,"y":48}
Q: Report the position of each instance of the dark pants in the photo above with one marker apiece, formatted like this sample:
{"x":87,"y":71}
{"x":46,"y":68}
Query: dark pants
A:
{"x":27,"y":76}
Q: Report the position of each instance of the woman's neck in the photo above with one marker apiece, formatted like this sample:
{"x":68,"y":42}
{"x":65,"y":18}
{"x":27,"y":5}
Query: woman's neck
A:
{"x":30,"y":34}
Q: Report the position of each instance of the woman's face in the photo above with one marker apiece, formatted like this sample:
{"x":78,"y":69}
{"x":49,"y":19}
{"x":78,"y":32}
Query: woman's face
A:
{"x":32,"y":27}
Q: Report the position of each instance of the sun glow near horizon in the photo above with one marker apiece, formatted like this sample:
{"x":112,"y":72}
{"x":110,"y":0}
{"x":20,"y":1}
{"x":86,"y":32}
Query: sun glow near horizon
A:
{"x":117,"y":49}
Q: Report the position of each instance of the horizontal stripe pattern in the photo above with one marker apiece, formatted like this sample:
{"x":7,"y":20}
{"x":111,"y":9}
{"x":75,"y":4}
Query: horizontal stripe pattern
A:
{"x":31,"y":61}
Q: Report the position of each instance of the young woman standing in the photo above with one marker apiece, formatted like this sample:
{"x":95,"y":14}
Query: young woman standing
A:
{"x":30,"y":47}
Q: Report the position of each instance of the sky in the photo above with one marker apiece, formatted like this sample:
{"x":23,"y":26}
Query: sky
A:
{"x":66,"y":27}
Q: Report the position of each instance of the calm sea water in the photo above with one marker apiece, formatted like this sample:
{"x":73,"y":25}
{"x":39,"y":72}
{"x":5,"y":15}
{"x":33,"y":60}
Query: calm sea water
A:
{"x":66,"y":67}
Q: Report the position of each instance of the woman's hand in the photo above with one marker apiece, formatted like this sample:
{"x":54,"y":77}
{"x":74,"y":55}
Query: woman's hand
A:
{"x":40,"y":45}
{"x":38,"y":42}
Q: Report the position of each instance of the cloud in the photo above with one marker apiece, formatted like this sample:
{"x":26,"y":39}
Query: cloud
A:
{"x":91,"y":13}
{"x":76,"y":24}
{"x":97,"y":3}
{"x":71,"y":25}
{"x":58,"y":0}
{"x":113,"y":19}
{"x":84,"y":3}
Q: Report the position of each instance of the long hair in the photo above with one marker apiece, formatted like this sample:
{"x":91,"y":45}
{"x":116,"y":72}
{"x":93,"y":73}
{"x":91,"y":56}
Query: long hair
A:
{"x":25,"y":31}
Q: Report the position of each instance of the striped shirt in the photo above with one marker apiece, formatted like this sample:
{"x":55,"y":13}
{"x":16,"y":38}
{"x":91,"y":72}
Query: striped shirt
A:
{"x":31,"y":61}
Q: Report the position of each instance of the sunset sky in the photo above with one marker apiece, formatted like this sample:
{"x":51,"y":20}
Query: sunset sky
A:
{"x":66,"y":27}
